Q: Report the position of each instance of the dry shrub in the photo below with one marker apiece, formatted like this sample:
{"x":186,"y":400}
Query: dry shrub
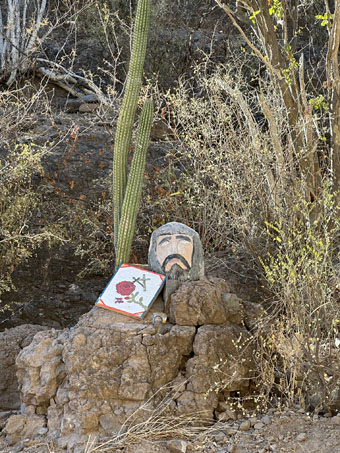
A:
{"x":20,"y":230}
{"x":302,"y":342}
{"x":34,"y":216}
{"x":235,"y":176}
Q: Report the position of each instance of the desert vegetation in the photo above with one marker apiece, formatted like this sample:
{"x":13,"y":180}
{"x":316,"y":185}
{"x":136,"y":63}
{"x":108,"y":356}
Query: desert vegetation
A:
{"x":250,"y":159}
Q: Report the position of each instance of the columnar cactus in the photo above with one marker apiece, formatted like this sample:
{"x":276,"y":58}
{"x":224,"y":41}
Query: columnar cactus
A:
{"x":125,"y":126}
{"x":134,"y":186}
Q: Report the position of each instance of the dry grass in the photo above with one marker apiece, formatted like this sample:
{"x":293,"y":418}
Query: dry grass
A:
{"x":157,"y":423}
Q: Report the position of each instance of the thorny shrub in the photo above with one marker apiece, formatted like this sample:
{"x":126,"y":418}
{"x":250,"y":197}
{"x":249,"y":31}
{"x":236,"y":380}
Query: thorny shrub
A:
{"x":235,"y":180}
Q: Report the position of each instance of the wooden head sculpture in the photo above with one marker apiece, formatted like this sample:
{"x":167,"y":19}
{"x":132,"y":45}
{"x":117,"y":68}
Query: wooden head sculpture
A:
{"x":176,"y":251}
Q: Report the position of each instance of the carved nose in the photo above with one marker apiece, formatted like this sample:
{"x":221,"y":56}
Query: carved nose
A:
{"x":173,"y":247}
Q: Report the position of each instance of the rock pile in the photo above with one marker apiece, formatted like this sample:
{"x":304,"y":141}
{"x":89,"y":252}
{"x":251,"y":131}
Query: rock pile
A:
{"x":109,"y":371}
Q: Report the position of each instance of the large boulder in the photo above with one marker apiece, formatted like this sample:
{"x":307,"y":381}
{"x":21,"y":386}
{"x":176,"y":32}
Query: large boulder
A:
{"x":207,"y":301}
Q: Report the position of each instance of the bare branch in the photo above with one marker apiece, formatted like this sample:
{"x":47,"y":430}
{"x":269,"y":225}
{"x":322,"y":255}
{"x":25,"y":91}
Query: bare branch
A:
{"x":230,"y":14}
{"x":36,"y":27}
{"x":71,"y":77}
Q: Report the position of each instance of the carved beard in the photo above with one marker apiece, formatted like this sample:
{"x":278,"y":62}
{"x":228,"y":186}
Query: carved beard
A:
{"x":177,"y":273}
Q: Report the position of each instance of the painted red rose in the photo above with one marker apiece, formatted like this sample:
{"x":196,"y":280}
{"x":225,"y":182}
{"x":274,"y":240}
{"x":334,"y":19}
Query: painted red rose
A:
{"x":125,"y":288}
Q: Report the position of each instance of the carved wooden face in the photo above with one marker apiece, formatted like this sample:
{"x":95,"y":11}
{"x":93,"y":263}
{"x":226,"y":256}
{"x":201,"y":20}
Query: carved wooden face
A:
{"x":174,"y":249}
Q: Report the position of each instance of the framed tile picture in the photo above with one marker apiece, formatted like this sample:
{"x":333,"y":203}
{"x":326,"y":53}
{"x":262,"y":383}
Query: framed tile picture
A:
{"x":131,"y":291}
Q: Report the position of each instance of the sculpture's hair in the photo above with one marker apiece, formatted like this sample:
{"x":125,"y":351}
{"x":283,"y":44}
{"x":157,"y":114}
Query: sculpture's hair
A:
{"x":197,"y":268}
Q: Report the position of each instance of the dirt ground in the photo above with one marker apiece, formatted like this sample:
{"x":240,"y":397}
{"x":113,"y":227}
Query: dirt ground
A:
{"x":289,"y":431}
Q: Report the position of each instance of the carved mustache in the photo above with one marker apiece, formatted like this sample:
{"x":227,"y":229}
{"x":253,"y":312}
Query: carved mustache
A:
{"x":179,"y":257}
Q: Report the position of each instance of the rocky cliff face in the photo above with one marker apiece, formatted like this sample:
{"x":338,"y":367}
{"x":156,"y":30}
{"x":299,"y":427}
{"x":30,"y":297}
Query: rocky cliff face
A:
{"x":109,"y":372}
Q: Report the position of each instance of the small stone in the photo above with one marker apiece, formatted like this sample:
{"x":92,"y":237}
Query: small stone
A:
{"x":148,"y":340}
{"x":219,"y":436}
{"x":301,"y":437}
{"x":230,"y":431}
{"x":79,"y":340}
{"x":41,"y":410}
{"x":88,"y":108}
{"x":62,"y":396}
{"x":42,"y":431}
{"x":336,"y":420}
{"x":231,"y":448}
{"x":145,"y":447}
{"x":230,"y":414}
{"x":234,"y":307}
{"x":177,"y":445}
{"x":72,"y":105}
{"x":253,"y":421}
{"x":245,"y":426}
{"x":29,"y":410}
{"x":234,"y":449}
{"x":259,"y":425}
{"x":107,"y":422}
{"x":266,"y":419}
{"x":14,"y":424}
{"x":19,"y":447}
{"x":19,"y":426}
{"x":4,"y":415}
{"x":222,"y":417}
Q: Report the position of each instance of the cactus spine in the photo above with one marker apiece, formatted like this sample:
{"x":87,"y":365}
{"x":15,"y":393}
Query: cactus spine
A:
{"x":128,"y":109}
{"x":134,"y":186}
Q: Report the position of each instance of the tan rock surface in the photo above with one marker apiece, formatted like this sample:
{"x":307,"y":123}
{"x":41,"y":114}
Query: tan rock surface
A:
{"x":198,"y":303}
{"x":22,"y":426}
{"x":12,"y":342}
{"x":224,"y":345}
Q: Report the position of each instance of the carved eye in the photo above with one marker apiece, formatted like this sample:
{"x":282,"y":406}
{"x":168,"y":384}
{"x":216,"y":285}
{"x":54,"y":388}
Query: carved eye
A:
{"x":164,"y":241}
